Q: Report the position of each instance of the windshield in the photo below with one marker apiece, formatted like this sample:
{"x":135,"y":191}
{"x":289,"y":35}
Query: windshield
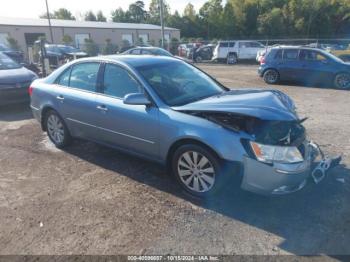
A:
{"x":162,"y":52}
{"x":178,"y":83}
{"x":52,"y":48}
{"x":7,"y":63}
{"x":4,"y":48}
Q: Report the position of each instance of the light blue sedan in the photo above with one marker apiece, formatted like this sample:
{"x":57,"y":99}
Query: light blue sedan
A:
{"x":166,"y":110}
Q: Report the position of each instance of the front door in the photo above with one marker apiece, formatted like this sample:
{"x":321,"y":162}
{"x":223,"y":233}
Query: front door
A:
{"x":131,"y":127}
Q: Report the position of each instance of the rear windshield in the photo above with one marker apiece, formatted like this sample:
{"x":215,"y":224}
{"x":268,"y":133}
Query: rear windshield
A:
{"x":7,"y":63}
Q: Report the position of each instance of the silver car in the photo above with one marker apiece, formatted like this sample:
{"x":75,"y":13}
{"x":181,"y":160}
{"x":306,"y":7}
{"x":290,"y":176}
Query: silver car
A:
{"x":168,"y":111}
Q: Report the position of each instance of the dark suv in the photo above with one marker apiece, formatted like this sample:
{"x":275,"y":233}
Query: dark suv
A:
{"x":306,"y":65}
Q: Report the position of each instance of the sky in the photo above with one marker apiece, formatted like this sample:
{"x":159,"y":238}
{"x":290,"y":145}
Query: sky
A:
{"x":34,"y":8}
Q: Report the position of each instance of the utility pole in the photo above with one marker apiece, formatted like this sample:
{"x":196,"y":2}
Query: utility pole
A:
{"x":161,"y":10}
{"x":49,"y":19}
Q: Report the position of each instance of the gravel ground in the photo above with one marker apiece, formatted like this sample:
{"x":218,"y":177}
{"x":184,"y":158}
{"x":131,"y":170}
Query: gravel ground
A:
{"x":91,"y":199}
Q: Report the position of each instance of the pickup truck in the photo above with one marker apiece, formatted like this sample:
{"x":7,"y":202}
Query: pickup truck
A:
{"x":232,"y":51}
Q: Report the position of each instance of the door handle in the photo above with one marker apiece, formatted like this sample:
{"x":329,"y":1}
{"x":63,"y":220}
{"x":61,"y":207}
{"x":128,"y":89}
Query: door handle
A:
{"x":102,"y":107}
{"x":60,"y":98}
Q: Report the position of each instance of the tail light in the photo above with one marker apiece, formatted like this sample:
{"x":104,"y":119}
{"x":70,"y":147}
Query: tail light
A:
{"x":30,"y":90}
{"x":262,"y":60}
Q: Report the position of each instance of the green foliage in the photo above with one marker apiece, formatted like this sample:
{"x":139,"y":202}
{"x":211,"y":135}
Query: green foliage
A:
{"x":90,"y":16}
{"x":100,"y":17}
{"x":13,"y":43}
{"x":234,"y":19}
{"x":90,"y":47}
{"x":174,"y":44}
{"x":67,"y":39}
{"x":109,"y":48}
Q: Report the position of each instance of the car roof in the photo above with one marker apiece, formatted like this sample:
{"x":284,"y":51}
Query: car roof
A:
{"x":132,"y":60}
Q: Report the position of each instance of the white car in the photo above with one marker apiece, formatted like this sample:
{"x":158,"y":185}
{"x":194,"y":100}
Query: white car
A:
{"x":232,"y":51}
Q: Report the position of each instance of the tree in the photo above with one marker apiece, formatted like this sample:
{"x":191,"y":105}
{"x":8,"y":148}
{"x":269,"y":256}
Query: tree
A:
{"x":154,"y":12}
{"x":190,"y":12}
{"x":90,"y":47}
{"x":100,"y":17}
{"x":119,"y":15}
{"x":67,"y":39}
{"x":109,"y":48}
{"x":90,"y":16}
{"x":13,"y":43}
{"x":61,"y":13}
{"x":137,"y":12}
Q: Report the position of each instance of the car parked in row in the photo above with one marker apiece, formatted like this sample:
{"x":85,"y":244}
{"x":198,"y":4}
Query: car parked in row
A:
{"x":203,"y":53}
{"x":232,"y":51}
{"x":168,"y":111}
{"x":15,"y":55}
{"x":147,"y":51}
{"x":58,"y":54}
{"x":306,"y":65}
{"x":14,"y":81}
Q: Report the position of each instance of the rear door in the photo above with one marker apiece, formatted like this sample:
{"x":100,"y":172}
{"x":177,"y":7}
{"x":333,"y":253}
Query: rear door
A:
{"x":76,"y":94}
{"x":132,"y":127}
{"x":290,"y":66}
{"x":223,"y":49}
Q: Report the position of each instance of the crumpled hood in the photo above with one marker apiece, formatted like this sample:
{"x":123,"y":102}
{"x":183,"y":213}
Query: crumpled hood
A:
{"x":17,"y":75}
{"x":260,"y":103}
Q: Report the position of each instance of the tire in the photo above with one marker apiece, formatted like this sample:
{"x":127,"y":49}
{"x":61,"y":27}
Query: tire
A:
{"x":342,"y":81}
{"x":57,"y":130}
{"x":231,"y":59}
{"x":271,"y":76}
{"x":198,"y":59}
{"x":201,"y":178}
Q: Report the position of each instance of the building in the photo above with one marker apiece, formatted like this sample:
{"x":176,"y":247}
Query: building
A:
{"x":26,"y":31}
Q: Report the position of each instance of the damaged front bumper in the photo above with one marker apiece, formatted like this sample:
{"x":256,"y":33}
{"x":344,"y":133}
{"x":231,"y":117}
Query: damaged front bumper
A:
{"x":281,"y":178}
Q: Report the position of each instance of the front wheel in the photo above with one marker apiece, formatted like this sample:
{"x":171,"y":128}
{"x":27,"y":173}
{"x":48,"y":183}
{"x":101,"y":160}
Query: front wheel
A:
{"x":271,"y":76}
{"x":57,"y":130}
{"x":197,"y":170}
{"x":342,"y":81}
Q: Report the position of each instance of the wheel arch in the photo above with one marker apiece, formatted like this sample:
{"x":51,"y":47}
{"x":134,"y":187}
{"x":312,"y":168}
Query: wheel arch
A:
{"x":43,"y":114}
{"x":185,"y":141}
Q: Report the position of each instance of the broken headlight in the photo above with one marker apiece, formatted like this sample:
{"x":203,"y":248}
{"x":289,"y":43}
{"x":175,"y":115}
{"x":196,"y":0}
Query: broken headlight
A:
{"x":269,"y":154}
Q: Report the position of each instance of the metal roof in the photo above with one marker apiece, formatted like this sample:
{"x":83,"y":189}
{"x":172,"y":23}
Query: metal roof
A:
{"x":79,"y":24}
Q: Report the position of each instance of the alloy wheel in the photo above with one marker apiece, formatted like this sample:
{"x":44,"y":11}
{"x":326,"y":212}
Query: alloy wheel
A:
{"x":196,"y":172}
{"x":271,"y":76}
{"x":55,"y":129}
{"x":342,"y":81}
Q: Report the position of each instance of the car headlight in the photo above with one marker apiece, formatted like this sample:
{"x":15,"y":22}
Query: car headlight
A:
{"x":283,"y":154}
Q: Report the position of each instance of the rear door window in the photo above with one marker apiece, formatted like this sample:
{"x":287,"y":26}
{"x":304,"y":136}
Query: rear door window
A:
{"x":135,"y":52}
{"x":278,"y":55}
{"x":290,"y":54}
{"x":232,"y":44}
{"x":84,"y":76}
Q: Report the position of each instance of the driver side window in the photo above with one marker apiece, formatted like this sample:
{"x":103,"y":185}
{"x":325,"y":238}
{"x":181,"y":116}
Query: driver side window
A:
{"x":118,"y":82}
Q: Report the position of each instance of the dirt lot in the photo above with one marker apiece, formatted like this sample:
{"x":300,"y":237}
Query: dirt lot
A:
{"x":93,"y":200}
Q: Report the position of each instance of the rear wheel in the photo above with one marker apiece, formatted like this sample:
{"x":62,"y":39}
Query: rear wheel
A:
{"x":232,"y":59}
{"x":197,"y":170}
{"x":342,"y":81}
{"x":271,"y":76}
{"x":57,"y":130}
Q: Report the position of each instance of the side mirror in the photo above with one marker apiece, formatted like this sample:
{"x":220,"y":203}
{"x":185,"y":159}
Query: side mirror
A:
{"x":136,"y":99}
